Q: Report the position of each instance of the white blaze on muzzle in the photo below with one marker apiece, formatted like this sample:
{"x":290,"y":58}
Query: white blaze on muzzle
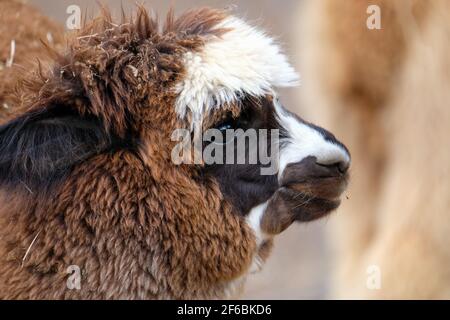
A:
{"x":304,"y":140}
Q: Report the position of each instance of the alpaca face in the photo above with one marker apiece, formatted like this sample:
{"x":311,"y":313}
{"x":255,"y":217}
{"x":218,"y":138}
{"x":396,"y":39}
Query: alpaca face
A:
{"x":234,"y":77}
{"x":93,"y":156}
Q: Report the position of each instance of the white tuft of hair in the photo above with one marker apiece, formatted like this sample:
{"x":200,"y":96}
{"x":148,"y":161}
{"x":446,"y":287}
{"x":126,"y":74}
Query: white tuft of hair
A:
{"x":244,"y":60}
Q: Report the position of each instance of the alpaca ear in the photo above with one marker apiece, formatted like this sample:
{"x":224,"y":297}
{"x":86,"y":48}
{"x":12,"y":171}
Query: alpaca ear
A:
{"x":40,"y":147}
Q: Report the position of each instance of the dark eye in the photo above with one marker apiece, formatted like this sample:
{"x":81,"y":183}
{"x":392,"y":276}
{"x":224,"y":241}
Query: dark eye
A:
{"x":230,"y":124}
{"x":241,"y":122}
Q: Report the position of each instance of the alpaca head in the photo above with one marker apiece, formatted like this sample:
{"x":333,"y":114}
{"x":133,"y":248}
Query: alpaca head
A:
{"x":131,"y":86}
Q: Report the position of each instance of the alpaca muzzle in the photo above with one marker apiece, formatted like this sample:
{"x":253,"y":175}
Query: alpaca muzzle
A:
{"x":314,"y":189}
{"x":308,"y":191}
{"x":312,"y":175}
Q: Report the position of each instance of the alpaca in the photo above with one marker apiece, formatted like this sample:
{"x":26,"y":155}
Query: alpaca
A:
{"x":386,"y":93}
{"x":93,"y":205}
{"x":20,"y":46}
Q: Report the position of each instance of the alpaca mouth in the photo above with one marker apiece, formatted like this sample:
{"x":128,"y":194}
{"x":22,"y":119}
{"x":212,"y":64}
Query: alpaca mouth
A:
{"x":312,"y":196}
{"x":308,"y":201}
{"x":315,"y":208}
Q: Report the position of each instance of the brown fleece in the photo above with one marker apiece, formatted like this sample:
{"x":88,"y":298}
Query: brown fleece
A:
{"x":137,"y":225}
{"x":132,"y":234}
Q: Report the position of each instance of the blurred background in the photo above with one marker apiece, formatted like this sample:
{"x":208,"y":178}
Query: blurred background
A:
{"x":377,"y":74}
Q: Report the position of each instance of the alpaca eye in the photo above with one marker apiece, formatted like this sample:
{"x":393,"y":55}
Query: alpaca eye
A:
{"x":225,"y":126}
{"x":230,"y":123}
{"x":242,"y":122}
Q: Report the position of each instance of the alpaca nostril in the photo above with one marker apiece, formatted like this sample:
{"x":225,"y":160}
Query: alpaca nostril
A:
{"x":337,"y":167}
{"x":343,"y":166}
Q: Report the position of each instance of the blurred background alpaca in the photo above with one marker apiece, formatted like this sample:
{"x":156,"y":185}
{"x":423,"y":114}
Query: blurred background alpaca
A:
{"x":384,"y":92}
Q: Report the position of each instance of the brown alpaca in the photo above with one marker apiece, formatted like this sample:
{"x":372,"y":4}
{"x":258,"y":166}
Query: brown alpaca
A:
{"x":88,"y":181}
{"x":386,"y":92}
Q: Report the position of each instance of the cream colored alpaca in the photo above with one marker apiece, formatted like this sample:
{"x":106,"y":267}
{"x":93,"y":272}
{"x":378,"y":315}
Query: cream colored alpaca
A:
{"x":386,"y":93}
